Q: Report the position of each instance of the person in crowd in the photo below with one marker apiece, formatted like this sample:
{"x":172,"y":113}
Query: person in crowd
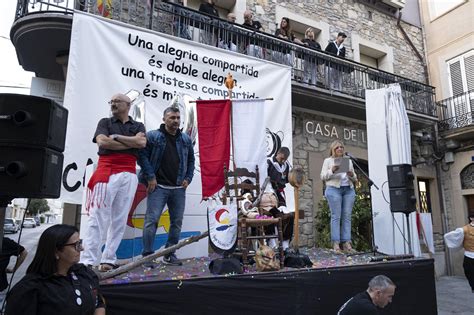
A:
{"x":231,"y":17}
{"x":340,"y":195}
{"x":250,"y":23}
{"x":167,"y":168}
{"x":209,"y":30}
{"x":208,"y":7}
{"x":278,"y":169}
{"x":379,"y":294}
{"x":9,"y":248}
{"x":112,"y":187}
{"x":336,"y":46}
{"x":252,"y":49}
{"x":181,"y":21}
{"x":334,"y":72}
{"x":310,"y":63}
{"x":55,"y":283}
{"x":285,"y":32}
{"x":464,"y":237}
{"x":228,"y":38}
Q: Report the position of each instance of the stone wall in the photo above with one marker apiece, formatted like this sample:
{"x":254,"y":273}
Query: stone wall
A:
{"x":352,"y":17}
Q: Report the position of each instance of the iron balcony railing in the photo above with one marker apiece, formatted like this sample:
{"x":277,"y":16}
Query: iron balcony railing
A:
{"x":314,"y":68}
{"x":456,"y":111}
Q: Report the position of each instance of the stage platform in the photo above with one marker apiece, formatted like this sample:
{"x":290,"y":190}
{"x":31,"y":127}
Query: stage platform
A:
{"x":322,"y":289}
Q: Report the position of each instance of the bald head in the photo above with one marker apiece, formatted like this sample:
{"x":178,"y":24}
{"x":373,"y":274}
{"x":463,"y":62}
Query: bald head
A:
{"x":120,"y":106}
{"x":121,"y":97}
{"x":248,"y":16}
{"x":231,"y":17}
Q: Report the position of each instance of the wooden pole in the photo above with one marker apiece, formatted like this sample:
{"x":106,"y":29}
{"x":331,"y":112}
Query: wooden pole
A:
{"x":296,"y":228}
{"x":134,"y":264}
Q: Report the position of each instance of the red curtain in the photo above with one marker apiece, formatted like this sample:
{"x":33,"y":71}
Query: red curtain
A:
{"x":213,"y":119}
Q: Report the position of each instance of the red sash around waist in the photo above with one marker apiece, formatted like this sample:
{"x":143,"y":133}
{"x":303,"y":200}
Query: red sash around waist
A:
{"x":108,"y":165}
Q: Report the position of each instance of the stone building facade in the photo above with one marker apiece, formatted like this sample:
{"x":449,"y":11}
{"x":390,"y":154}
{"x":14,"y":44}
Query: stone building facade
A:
{"x":368,"y":30}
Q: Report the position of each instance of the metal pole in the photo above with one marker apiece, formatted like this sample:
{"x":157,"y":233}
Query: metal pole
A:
{"x":442,"y":205}
{"x":410,"y":251}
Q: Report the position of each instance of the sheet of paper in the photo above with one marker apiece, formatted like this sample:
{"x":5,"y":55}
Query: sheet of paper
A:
{"x":343,"y":164}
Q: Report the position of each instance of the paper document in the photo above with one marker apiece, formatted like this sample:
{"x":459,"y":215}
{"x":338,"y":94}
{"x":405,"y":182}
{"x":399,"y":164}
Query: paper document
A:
{"x":343,"y":164}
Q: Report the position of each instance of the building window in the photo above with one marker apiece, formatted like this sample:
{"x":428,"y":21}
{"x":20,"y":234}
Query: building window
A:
{"x":438,"y":8}
{"x":372,"y":54}
{"x":461,"y":80}
{"x":467,"y":177}
{"x":424,"y":196}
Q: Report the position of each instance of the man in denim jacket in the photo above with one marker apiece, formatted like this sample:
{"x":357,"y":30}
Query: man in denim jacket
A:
{"x":167,"y":167}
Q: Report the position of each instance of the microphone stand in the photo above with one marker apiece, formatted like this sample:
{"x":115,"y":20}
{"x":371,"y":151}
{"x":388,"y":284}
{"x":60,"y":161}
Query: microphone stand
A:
{"x":370,"y":183}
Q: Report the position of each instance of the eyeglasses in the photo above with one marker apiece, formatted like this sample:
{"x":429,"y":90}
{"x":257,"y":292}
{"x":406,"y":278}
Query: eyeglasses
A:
{"x":116,"y":102}
{"x":339,"y":147}
{"x":77,"y":245}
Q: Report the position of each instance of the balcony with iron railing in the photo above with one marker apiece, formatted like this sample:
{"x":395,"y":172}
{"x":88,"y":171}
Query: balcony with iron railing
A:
{"x":313,"y":69}
{"x":457,"y":112}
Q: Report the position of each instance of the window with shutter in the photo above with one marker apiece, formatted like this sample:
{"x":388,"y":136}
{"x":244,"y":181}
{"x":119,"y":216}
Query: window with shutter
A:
{"x":469,"y":66}
{"x":461,"y":77}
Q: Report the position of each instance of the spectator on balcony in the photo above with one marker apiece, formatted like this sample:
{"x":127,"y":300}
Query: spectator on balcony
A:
{"x":209,"y":8}
{"x":334,"y":71}
{"x":310,"y":62}
{"x":209,"y":34}
{"x":228,"y":39}
{"x":285,"y":32}
{"x":252,"y":49}
{"x":180,"y":20}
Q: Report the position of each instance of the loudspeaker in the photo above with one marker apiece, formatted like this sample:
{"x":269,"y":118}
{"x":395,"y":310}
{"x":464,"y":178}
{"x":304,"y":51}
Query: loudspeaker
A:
{"x":400,"y":176}
{"x":402,"y":200}
{"x":30,"y":172}
{"x":32,"y":121}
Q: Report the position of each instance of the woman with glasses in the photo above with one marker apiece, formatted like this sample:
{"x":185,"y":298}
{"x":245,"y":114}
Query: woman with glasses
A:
{"x":55,"y":283}
{"x":340,"y":195}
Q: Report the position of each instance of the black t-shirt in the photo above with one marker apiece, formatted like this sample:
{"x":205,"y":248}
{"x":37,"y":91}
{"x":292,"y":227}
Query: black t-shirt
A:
{"x":111,"y":126}
{"x":46,"y":295}
{"x":167,"y":174}
{"x":9,"y":248}
{"x":209,"y":9}
{"x":256,"y":25}
{"x":360,"y":304}
{"x":312,"y":43}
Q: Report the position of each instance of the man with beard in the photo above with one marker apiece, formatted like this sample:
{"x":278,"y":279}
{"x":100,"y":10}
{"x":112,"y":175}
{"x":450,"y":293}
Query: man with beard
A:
{"x":167,"y":164}
{"x":112,"y":187}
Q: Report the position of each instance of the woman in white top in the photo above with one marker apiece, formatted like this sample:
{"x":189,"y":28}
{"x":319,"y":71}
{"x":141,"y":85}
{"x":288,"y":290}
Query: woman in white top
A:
{"x":340,"y":195}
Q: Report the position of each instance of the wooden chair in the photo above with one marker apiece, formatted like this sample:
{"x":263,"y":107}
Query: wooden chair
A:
{"x":234,"y":185}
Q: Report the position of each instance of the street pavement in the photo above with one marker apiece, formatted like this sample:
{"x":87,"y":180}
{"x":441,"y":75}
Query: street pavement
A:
{"x":453,"y":294}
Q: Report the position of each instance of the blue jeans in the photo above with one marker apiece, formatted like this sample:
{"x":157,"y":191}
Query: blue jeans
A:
{"x":340,"y":202}
{"x":156,"y":201}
